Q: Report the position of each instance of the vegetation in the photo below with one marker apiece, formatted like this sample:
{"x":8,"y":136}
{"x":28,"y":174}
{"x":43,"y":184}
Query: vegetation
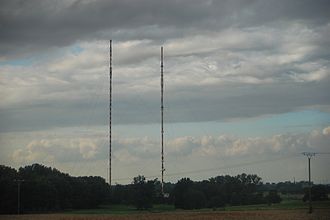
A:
{"x":219,"y":191}
{"x":46,"y":189}
{"x":143,"y":192}
{"x":319,"y":193}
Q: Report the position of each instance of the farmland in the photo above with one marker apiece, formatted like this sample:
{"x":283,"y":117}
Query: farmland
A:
{"x":191,"y":215}
{"x":285,"y":210}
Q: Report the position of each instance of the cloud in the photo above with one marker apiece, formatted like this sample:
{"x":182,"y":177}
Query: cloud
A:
{"x":86,"y":153}
{"x":225,"y":146}
{"x":238,"y":73}
{"x":223,"y":60}
{"x":61,"y":23}
{"x":182,"y":145}
{"x":137,"y":150}
{"x":59,"y":150}
{"x":326,"y":131}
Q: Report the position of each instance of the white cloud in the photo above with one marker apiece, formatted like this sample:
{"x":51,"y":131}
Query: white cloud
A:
{"x":131,"y":156}
{"x":181,"y":145}
{"x":58,"y":150}
{"x":125,"y":157}
{"x":87,"y":148}
{"x":326,"y":131}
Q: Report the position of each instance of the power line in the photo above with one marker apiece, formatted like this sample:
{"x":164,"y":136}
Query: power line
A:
{"x":322,"y":152}
{"x":309,"y":155}
{"x":217,"y":168}
{"x":232,"y":166}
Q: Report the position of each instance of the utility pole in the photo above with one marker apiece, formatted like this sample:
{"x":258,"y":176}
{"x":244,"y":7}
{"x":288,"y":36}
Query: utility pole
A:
{"x":19,"y":181}
{"x":110,"y":106}
{"x":162,"y":115}
{"x":309,"y":155}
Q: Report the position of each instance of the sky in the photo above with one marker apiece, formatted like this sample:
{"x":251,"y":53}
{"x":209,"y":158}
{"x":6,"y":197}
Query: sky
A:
{"x":246,"y":87}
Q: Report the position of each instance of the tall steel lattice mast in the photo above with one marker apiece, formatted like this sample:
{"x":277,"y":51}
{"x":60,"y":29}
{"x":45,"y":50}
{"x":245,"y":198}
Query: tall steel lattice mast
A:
{"x":110,"y":105}
{"x":162,"y":114}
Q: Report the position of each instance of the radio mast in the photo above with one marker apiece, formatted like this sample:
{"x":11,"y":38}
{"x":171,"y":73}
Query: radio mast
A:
{"x":110,"y":102}
{"x":162,"y":115}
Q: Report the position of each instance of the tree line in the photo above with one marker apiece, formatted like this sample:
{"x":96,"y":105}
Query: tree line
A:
{"x":45,"y":189}
{"x":187,"y":194}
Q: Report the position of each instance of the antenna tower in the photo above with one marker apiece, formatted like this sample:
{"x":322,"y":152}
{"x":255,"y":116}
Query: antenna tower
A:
{"x":110,"y":102}
{"x":162,"y":114}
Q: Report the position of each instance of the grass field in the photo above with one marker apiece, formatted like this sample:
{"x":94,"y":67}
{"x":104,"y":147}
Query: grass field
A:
{"x":126,"y":210}
{"x":290,"y":209}
{"x":284,"y":205}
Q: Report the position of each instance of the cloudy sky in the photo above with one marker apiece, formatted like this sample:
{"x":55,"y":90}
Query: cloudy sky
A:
{"x":246,"y":87}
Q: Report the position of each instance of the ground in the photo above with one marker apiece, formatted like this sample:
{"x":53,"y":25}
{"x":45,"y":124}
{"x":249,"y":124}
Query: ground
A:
{"x":287,"y":209}
{"x":322,"y":214}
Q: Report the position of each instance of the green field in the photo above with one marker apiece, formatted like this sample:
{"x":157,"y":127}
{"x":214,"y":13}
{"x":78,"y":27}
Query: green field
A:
{"x":124,"y":209}
{"x":284,"y":205}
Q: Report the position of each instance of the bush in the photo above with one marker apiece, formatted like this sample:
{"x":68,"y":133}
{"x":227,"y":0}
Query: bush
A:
{"x":319,"y":193}
{"x":273,"y":197}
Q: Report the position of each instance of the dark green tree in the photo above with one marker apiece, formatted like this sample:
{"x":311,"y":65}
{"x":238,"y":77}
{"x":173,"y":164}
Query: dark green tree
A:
{"x":8,"y":190}
{"x":144,"y":192}
{"x":194,"y":199}
{"x":181,"y":187}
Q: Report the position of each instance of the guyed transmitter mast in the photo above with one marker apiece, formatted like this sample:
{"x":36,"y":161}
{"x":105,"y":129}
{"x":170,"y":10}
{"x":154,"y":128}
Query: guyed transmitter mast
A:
{"x":110,"y":105}
{"x":162,"y":114}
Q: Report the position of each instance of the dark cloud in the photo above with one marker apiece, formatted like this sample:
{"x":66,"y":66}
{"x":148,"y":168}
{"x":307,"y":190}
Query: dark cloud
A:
{"x":28,"y":26}
{"x":198,"y":106}
{"x":249,"y":101}
{"x":224,"y":60}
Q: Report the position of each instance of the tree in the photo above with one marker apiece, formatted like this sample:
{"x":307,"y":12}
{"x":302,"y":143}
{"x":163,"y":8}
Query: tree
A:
{"x":217,"y":201}
{"x":47,"y":189}
{"x":181,"y":187}
{"x":194,"y":199}
{"x":8,"y":190}
{"x":38,"y":196}
{"x":144,"y":192}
